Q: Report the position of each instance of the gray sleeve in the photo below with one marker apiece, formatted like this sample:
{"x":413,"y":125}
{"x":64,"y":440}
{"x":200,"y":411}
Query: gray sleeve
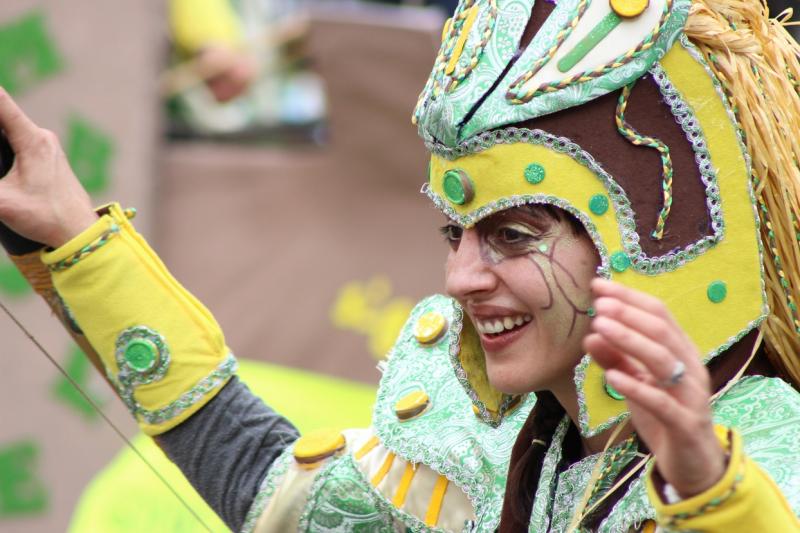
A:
{"x":227,"y":447}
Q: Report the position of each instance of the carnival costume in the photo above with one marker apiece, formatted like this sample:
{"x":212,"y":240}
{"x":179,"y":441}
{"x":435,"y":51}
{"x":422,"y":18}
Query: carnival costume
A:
{"x":671,"y":130}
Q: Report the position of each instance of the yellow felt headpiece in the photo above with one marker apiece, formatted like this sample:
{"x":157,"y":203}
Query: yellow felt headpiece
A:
{"x":693,"y":243}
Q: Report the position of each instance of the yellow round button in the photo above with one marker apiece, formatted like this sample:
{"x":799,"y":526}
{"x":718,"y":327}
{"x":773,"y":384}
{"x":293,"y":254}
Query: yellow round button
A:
{"x":629,"y":8}
{"x":318,"y":445}
{"x":411,"y":405}
{"x":430,"y":327}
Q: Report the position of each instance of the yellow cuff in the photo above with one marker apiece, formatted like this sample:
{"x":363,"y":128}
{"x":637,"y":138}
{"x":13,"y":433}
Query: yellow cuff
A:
{"x":745,"y":499}
{"x":162,"y":350}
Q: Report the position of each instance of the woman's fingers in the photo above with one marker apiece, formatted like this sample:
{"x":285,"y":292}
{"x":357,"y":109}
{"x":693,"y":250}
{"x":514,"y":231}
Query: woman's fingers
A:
{"x":656,"y":401}
{"x":658,"y":359}
{"x":647,"y":315}
{"x":609,"y":357}
{"x":18,"y":127}
{"x":651,"y":325}
{"x":638,"y":299}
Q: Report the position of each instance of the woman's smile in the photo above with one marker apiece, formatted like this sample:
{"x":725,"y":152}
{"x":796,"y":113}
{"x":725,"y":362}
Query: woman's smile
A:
{"x":498,"y":326}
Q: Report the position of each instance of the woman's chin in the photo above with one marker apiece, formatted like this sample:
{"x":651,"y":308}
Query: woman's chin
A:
{"x":509,"y":382}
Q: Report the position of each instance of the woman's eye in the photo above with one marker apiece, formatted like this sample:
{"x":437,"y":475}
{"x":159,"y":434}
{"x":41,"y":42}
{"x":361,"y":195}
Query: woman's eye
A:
{"x":513,"y":236}
{"x":452,"y":233}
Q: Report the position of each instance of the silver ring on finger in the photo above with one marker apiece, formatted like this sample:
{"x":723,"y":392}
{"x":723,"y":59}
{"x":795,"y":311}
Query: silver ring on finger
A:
{"x":678,"y":371}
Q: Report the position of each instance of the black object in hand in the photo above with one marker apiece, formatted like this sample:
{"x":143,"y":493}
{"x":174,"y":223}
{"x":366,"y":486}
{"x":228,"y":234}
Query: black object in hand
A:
{"x":14,"y":243}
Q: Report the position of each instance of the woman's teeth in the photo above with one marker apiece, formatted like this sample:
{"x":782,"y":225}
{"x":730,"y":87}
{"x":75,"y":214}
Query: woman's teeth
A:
{"x":498,"y":325}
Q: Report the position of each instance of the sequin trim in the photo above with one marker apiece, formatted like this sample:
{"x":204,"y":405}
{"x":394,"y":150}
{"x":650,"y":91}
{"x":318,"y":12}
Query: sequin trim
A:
{"x":191,"y":397}
{"x":461,"y":374}
{"x":622,"y":206}
{"x":129,"y":377}
{"x":527,"y":199}
{"x":274,"y":477}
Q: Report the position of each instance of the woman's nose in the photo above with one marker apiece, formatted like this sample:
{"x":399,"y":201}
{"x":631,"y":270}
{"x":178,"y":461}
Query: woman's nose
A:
{"x":467,"y":273}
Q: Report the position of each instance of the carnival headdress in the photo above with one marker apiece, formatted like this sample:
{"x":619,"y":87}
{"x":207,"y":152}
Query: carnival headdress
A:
{"x":669,"y":128}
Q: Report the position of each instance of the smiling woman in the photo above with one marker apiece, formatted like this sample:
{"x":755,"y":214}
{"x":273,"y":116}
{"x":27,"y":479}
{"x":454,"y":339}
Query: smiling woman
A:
{"x":522,"y":276}
{"x":622,"y":206}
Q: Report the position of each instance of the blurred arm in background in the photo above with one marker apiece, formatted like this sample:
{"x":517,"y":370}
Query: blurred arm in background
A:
{"x":210,"y":32}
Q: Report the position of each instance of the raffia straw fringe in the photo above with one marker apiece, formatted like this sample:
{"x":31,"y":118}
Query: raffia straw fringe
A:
{"x":756,"y":60}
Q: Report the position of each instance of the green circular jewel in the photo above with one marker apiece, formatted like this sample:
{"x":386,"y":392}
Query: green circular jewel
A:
{"x":598,"y":204}
{"x":620,"y":261}
{"x":457,"y":187}
{"x":141,"y":355}
{"x":717,"y":291}
{"x":591,"y":312}
{"x":534,"y":173}
{"x":612,"y":392}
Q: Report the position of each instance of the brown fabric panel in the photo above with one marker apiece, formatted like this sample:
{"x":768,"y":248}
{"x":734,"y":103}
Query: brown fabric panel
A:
{"x":636,"y":168}
{"x":541,"y":11}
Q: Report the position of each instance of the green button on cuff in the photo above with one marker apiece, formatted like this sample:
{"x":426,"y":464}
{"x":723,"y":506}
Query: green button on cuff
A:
{"x":717,"y":291}
{"x":534,"y":173}
{"x":620,"y":261}
{"x":598,"y":204}
{"x":141,"y":355}
{"x":458,"y":187}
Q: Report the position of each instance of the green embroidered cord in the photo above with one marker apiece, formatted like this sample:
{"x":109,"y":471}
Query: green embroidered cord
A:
{"x":462,"y":72}
{"x":666,"y":161}
{"x":85,"y":251}
{"x":516,"y":96}
{"x":539,"y":63}
{"x":603,"y":480}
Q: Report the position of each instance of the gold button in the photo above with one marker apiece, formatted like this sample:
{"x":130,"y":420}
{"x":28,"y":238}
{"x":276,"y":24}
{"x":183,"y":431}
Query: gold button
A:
{"x":430,"y":327}
{"x":629,"y":8}
{"x":311,"y":449}
{"x":411,"y":405}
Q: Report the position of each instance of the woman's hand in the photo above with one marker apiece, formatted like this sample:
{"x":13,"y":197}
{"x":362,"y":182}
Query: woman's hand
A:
{"x":234,"y":71}
{"x":40,"y":198}
{"x":634,"y":337}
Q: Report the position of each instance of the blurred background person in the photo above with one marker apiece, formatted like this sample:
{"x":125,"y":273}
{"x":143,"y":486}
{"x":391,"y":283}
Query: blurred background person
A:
{"x":240,"y":70}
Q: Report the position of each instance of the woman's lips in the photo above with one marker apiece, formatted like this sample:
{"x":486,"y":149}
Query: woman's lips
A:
{"x":500,"y":341}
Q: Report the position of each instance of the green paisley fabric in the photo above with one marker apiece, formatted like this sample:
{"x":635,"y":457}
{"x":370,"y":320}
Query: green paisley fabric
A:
{"x":441,"y":116}
{"x":448,"y":437}
{"x":342,"y":501}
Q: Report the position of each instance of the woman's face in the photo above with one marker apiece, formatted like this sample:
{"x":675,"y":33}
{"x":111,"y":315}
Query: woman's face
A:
{"x":522,"y":276}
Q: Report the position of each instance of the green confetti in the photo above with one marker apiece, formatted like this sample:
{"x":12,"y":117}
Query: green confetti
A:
{"x":79,"y":368}
{"x":21,"y":491}
{"x":12,"y":282}
{"x":89,"y":151}
{"x":27,"y":53}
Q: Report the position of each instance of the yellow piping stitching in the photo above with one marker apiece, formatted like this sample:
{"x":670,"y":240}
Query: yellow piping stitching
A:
{"x":366,"y":448}
{"x":405,"y":482}
{"x":435,"y":506}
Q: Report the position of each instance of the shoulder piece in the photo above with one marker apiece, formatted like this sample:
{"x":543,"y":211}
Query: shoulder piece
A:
{"x":766,"y":413}
{"x":445,"y":434}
